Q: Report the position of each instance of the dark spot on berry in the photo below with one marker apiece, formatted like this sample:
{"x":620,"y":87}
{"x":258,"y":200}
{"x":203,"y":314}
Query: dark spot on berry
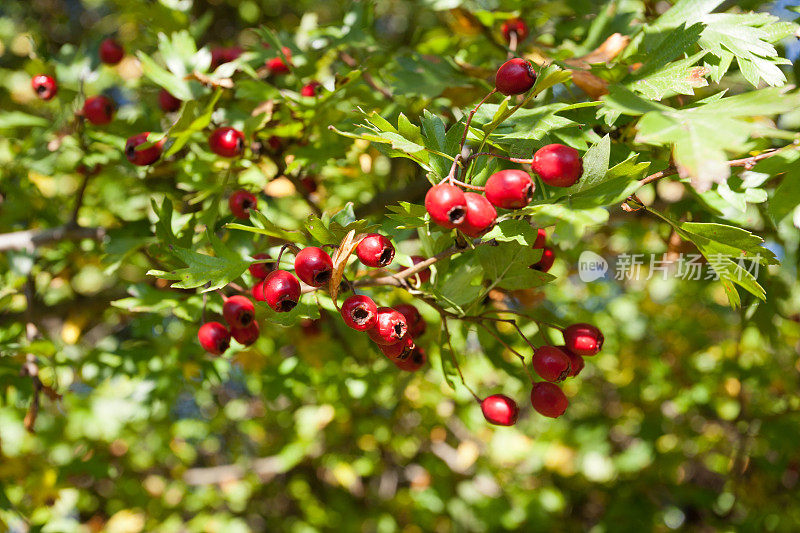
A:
{"x":386,"y":257}
{"x":456,"y":215}
{"x":246,"y":318}
{"x":130,"y":152}
{"x":322,"y":277}
{"x":286,"y":305}
{"x":40,"y":89}
{"x":600,"y":340}
{"x":239,"y":145}
{"x":360,"y":315}
{"x":399,"y":329}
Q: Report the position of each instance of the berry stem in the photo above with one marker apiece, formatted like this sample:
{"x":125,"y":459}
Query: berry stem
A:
{"x":509,"y":348}
{"x":453,"y":357}
{"x":507,"y":158}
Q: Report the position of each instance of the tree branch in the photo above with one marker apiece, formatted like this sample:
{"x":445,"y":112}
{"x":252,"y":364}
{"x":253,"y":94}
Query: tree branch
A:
{"x":32,"y":239}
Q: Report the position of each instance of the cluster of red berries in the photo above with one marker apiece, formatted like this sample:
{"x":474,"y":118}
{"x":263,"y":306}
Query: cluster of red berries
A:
{"x":553,"y":364}
{"x":240,"y":314}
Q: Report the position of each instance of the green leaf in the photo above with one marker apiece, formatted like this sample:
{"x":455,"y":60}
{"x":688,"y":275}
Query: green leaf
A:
{"x":304,"y":309}
{"x":266,"y":227}
{"x":162,"y":77}
{"x":512,"y":230}
{"x":407,"y":215}
{"x":787,"y":196}
{"x":508,"y":266}
{"x":18,"y":119}
{"x":202,"y":270}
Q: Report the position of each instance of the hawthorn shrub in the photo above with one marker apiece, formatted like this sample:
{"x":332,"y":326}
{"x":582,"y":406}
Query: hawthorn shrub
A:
{"x":294,"y":266}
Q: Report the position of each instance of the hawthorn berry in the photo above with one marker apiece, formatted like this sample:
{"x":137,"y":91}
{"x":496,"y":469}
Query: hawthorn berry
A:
{"x":360,"y":312}
{"x":313,"y":266}
{"x":514,"y":25}
{"x":509,"y":189}
{"x":548,"y":399}
{"x":311,"y":328}
{"x":221,"y":55}
{"x":214,"y":337}
{"x":551,"y":363}
{"x":310,"y":89}
{"x":390,"y":327}
{"x":238,"y":311}
{"x":44,"y":86}
{"x":558,"y":165}
{"x":260,"y":270}
{"x":415,"y":360}
{"x":247,"y":335}
{"x":168,"y":102}
{"x":515,"y":76}
{"x":280,"y":290}
{"x":241,"y":202}
{"x":576,"y":362}
{"x":226,"y":142}
{"x":375,"y":250}
{"x":277,"y":65}
{"x":399,"y":350}
{"x":98,"y":110}
{"x":424,"y":274}
{"x":415,"y":322}
{"x":500,"y":410}
{"x":480,"y":217}
{"x":541,"y":239}
{"x":446,"y":204}
{"x":111,"y":52}
{"x":257,"y":291}
{"x":146,"y":156}
{"x":583,"y":339}
{"x":546,"y":262}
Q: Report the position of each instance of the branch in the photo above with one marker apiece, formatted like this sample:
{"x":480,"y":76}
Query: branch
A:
{"x":31,"y":239}
{"x":352,"y":63}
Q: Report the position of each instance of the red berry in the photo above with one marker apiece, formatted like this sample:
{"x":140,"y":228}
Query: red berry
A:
{"x":548,"y":399}
{"x":390,"y":327}
{"x":241,"y":202}
{"x":311,"y":328}
{"x":98,"y":110}
{"x":509,"y":189}
{"x":214,"y":337}
{"x":415,"y":360}
{"x":515,"y":76}
{"x":247,"y":335}
{"x":360,"y":312}
{"x":277,"y":65}
{"x":583,"y":339}
{"x":558,"y":165}
{"x":281,"y":291}
{"x":446,"y":205}
{"x":399,"y":350}
{"x":576,"y":362}
{"x":416,"y":325}
{"x":500,"y":410}
{"x":375,"y":250}
{"x":238,"y":311}
{"x":541,"y":239}
{"x":313,"y":266}
{"x":480,"y":215}
{"x":146,"y":156}
{"x":310,"y":89}
{"x":546,"y":262}
{"x":551,"y":363}
{"x":224,"y":55}
{"x":258,"y":291}
{"x":424,"y":274}
{"x":261,"y":270}
{"x":516,"y":25}
{"x":227,"y":142}
{"x":111,"y":52}
{"x":44,"y":86}
{"x":168,"y":102}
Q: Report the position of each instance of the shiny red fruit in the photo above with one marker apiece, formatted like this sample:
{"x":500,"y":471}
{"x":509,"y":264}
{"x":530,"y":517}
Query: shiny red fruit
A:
{"x":224,"y":55}
{"x":551,"y":363}
{"x":111,"y":52}
{"x":416,"y":324}
{"x":548,"y":399}
{"x":400,"y":350}
{"x":583,"y":339}
{"x":145,"y":156}
{"x":375,"y":250}
{"x":261,"y":270}
{"x":415,"y":360}
{"x":168,"y":102}
{"x":214,"y":337}
{"x":360,"y":312}
{"x":247,"y":335}
{"x":424,"y":274}
{"x":277,"y":65}
{"x":541,"y":239}
{"x":515,"y":25}
{"x":515,"y":76}
{"x":310,"y":89}
{"x":390,"y":327}
{"x":546,"y":262}
{"x":558,"y":165}
{"x":241,"y":202}
{"x":576,"y":362}
{"x":509,"y":189}
{"x":500,"y":410}
{"x":238,"y":311}
{"x":313,"y":266}
{"x":480,"y":215}
{"x":258,"y":291}
{"x":281,"y":291}
{"x":98,"y":110}
{"x":227,"y":142}
{"x":446,"y":205}
{"x":44,"y":86}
